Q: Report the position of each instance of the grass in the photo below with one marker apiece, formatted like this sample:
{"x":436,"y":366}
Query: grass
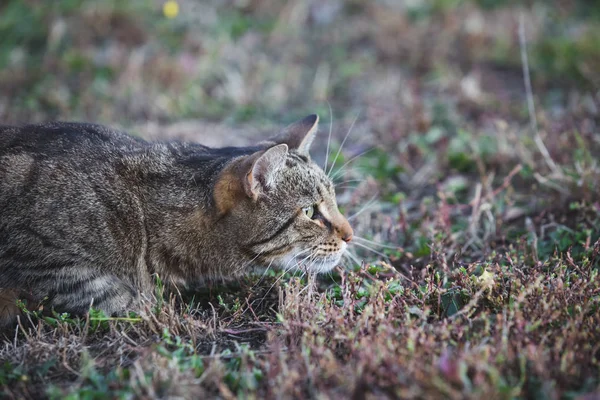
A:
{"x":476,"y":271}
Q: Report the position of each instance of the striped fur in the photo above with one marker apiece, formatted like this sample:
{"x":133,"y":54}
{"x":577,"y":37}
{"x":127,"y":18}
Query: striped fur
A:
{"x":88,"y":214}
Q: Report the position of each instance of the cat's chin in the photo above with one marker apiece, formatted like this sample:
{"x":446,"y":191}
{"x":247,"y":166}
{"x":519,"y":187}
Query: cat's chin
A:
{"x":324,"y":266}
{"x":319,"y":265}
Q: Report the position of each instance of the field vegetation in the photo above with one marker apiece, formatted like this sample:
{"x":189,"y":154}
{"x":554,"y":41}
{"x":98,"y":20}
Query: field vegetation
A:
{"x":465,"y":145}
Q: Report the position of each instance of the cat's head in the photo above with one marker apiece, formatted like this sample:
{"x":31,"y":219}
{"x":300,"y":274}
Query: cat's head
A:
{"x":285,"y":204}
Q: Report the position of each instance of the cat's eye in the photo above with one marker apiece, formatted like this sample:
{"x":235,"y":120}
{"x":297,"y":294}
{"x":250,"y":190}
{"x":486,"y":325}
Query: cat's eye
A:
{"x":309,"y":211}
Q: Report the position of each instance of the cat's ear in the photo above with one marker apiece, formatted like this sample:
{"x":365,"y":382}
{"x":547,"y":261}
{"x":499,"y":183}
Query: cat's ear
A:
{"x":300,"y":135}
{"x":259,"y":178}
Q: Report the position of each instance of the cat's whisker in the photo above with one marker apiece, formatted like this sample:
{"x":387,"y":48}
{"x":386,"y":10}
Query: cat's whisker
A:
{"x":349,"y":263}
{"x":322,"y":265}
{"x":359,"y":238}
{"x":342,"y":145}
{"x":372,"y":250}
{"x":330,"y":274}
{"x":352,"y":257}
{"x":308,"y":257}
{"x":294,"y":261}
{"x":356,"y":157}
{"x":286,"y":269}
{"x":355,"y":170}
{"x":368,"y":205}
{"x":329,"y":137}
{"x":347,"y":187}
{"x":263,"y":275}
{"x":250,"y":262}
{"x":349,"y":181}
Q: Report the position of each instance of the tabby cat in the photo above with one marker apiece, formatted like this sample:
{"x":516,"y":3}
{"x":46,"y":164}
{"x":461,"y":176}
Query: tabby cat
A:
{"x":88,"y":214}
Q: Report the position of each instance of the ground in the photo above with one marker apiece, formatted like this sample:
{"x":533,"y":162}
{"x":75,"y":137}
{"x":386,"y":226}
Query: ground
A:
{"x":473,"y":184}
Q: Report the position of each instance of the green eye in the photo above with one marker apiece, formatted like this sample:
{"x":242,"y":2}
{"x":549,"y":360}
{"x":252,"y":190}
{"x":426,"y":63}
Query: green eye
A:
{"x":309,"y":211}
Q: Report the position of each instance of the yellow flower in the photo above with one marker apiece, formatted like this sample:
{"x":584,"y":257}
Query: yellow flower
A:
{"x":170,"y":9}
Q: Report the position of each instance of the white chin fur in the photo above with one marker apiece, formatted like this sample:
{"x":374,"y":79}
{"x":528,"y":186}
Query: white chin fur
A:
{"x":319,"y":266}
{"x":326,"y":264}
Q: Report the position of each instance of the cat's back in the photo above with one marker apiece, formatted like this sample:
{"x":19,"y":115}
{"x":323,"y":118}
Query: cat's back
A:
{"x":40,"y":163}
{"x":64,"y":139}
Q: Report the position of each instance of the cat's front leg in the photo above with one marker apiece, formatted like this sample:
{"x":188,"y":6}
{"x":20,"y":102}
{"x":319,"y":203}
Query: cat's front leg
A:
{"x":108,"y":293}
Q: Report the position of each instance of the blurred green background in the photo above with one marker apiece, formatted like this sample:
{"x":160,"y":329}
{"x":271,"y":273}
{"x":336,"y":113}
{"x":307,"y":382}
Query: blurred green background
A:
{"x":122,"y":62}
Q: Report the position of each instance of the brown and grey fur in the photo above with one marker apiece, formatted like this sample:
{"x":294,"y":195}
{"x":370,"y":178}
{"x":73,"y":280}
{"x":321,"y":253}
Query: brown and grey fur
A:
{"x":88,"y":214}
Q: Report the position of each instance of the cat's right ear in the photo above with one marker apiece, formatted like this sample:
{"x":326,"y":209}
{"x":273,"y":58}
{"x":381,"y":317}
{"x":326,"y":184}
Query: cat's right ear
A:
{"x":260,"y":176}
{"x":299,"y":135}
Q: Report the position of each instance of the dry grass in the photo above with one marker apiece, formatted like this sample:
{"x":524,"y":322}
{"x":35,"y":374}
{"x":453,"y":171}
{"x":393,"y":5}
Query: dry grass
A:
{"x":502,"y":328}
{"x":477,"y":272}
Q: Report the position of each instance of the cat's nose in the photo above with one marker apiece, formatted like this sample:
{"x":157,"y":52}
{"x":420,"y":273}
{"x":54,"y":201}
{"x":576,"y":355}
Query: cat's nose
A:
{"x":346,"y":232}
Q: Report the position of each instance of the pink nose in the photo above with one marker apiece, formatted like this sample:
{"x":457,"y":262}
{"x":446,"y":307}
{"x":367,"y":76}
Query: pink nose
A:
{"x":343,"y":228}
{"x":347,"y":236}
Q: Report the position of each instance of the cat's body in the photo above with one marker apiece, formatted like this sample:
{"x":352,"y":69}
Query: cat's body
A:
{"x":88,"y":214}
